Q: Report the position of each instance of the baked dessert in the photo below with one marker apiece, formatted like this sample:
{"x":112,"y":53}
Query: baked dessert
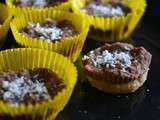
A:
{"x":59,"y":31}
{"x":50,"y":31}
{"x":101,"y":9}
{"x":35,"y":84}
{"x":29,"y":85}
{"x":110,"y":20}
{"x":37,"y":3}
{"x":117,"y":67}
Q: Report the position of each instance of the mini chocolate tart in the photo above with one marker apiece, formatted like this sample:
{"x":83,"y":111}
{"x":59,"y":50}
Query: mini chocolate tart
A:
{"x":117,"y":68}
{"x":29,"y":85}
{"x":101,"y":9}
{"x":37,"y":3}
{"x":50,"y":30}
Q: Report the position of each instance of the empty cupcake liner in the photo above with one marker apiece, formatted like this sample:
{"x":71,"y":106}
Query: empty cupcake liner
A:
{"x":29,"y":58}
{"x":70,"y":46}
{"x":114,"y":28}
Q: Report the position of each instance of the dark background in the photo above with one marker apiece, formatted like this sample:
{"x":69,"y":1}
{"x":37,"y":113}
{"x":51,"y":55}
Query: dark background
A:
{"x":87,"y":103}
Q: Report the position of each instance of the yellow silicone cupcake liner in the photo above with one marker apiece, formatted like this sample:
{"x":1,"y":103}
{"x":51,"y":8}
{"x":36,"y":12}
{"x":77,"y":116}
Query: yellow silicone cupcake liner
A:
{"x":5,"y":18}
{"x":16,"y":10}
{"x":28,"y":58}
{"x":114,"y":28}
{"x":70,"y":47}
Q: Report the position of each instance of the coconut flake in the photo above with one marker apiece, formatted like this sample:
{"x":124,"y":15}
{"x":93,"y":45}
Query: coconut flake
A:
{"x":46,"y":33}
{"x":21,"y":86}
{"x":111,"y":59}
{"x":36,"y":3}
{"x":103,"y":10}
{"x":40,"y":3}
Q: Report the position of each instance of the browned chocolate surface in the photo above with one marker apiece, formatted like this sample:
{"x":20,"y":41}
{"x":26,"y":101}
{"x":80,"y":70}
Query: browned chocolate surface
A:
{"x":99,"y":8}
{"x":37,"y":3}
{"x":117,"y":61}
{"x":50,"y":30}
{"x":29,"y":86}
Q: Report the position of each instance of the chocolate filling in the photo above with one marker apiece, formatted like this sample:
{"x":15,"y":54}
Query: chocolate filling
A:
{"x":98,"y":34}
{"x":50,"y":30}
{"x":118,"y":61}
{"x":29,"y":85}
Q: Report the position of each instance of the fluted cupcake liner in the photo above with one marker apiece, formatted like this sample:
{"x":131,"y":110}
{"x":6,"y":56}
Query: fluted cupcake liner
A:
{"x":16,"y":10}
{"x":69,"y":46}
{"x":113,"y":28}
{"x":5,"y":18}
{"x":29,"y":58}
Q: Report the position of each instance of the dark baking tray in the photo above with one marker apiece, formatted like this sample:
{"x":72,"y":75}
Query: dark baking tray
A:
{"x":87,"y":103}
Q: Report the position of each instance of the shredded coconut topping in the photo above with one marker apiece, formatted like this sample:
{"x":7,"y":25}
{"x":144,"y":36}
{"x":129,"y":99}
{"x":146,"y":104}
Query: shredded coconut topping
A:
{"x":36,"y":3}
{"x":45,"y":32}
{"x":106,"y":59}
{"x":50,"y":30}
{"x":103,"y":10}
{"x":20,"y":87}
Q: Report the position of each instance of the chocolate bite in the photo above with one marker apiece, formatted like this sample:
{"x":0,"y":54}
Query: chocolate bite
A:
{"x":117,"y":68}
{"x":50,"y":30}
{"x":37,"y":3}
{"x":29,"y":85}
{"x":119,"y":61}
{"x":99,"y":8}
